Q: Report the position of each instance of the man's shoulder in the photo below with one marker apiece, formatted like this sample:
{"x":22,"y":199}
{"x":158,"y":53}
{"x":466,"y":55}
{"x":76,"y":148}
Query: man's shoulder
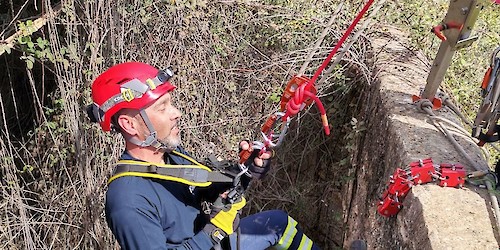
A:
{"x":127,"y":186}
{"x":178,"y":157}
{"x":128,"y":189}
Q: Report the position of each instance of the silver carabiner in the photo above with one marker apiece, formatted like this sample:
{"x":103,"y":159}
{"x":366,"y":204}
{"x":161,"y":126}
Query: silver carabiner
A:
{"x":271,"y":140}
{"x":494,"y":56}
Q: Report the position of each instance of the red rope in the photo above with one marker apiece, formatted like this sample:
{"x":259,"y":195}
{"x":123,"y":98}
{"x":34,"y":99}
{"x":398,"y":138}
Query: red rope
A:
{"x":340,"y":42}
{"x":295,"y":104}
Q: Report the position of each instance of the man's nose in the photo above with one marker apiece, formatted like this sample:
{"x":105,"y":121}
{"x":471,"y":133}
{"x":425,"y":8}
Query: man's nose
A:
{"x":176,"y":114}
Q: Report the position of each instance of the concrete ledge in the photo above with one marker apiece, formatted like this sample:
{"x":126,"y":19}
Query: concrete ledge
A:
{"x":433,"y":217}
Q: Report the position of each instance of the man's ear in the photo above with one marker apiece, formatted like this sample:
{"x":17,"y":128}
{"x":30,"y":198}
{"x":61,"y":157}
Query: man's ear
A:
{"x":128,"y":124}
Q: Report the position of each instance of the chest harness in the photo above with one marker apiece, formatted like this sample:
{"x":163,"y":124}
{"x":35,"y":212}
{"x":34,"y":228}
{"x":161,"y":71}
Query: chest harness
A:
{"x":197,"y":174}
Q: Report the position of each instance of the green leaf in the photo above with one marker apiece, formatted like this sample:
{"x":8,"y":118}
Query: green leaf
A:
{"x":49,"y":56}
{"x":22,"y":27}
{"x":20,"y":40}
{"x":275,"y":97}
{"x":29,"y":64}
{"x":28,"y":168}
{"x":52,"y":125}
{"x":88,"y":73}
{"x":89,"y":45}
{"x":41,"y":43}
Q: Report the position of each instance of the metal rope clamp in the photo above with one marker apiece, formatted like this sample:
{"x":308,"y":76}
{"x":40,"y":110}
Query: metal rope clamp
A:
{"x":418,"y":172}
{"x":273,"y":132}
{"x":422,"y":171}
{"x":390,"y":206}
{"x":452,"y":175}
{"x":399,"y":186}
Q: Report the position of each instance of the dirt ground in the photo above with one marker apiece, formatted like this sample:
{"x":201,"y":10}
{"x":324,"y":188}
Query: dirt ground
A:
{"x":433,"y":217}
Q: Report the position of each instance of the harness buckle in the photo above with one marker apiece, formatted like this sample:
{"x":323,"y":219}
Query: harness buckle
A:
{"x":152,"y":169}
{"x":205,"y":207}
{"x":127,"y":95}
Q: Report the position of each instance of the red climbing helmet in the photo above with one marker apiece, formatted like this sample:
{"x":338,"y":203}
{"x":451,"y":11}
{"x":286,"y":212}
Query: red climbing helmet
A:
{"x":132,"y":85}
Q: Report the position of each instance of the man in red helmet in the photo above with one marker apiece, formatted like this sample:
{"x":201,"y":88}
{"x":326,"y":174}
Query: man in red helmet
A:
{"x":155,"y":195}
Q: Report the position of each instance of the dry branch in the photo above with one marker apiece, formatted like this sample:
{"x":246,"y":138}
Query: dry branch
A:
{"x":37,"y":24}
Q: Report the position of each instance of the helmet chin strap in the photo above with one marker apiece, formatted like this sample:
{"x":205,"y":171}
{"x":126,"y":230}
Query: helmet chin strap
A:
{"x":151,"y":140}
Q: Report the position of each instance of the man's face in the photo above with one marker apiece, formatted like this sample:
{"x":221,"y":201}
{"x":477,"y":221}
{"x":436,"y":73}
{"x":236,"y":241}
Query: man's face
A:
{"x":165,"y":116}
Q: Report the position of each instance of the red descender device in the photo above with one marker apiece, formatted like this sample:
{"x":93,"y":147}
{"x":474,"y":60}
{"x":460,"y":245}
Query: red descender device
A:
{"x":296,"y":96}
{"x":299,"y":93}
{"x":418,"y":172}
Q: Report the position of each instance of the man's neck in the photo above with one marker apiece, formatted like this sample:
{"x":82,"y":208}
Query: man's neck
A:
{"x":148,"y":154}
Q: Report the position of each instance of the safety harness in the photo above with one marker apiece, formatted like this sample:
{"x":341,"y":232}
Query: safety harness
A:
{"x":197,"y":174}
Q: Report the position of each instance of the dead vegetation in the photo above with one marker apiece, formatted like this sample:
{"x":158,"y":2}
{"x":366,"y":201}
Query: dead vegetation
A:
{"x":232,"y":59}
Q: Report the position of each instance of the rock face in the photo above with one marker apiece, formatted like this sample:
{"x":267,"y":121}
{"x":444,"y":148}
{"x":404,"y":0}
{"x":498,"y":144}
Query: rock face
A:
{"x":433,"y":217}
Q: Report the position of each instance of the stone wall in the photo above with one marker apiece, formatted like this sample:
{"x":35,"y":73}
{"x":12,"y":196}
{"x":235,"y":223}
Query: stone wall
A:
{"x":433,"y":217}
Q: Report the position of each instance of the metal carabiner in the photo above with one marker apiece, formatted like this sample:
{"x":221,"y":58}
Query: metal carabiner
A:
{"x":270,"y":139}
{"x":494,"y":57}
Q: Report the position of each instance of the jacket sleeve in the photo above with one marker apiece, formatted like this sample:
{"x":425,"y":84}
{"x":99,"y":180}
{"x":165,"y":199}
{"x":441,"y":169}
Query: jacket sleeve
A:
{"x":138,"y":227}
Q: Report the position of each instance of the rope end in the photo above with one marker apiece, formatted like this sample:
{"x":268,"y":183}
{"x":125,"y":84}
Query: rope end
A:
{"x":326,"y":127}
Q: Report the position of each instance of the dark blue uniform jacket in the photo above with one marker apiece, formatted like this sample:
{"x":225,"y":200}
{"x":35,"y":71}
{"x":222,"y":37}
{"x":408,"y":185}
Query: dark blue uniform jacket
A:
{"x":147,"y":213}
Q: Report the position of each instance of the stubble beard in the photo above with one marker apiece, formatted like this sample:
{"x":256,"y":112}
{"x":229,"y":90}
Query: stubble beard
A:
{"x":171,"y":142}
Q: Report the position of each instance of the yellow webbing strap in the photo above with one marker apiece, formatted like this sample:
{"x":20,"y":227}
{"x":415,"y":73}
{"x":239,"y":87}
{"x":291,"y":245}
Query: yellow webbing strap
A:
{"x":191,"y":160}
{"x":196,"y":166}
